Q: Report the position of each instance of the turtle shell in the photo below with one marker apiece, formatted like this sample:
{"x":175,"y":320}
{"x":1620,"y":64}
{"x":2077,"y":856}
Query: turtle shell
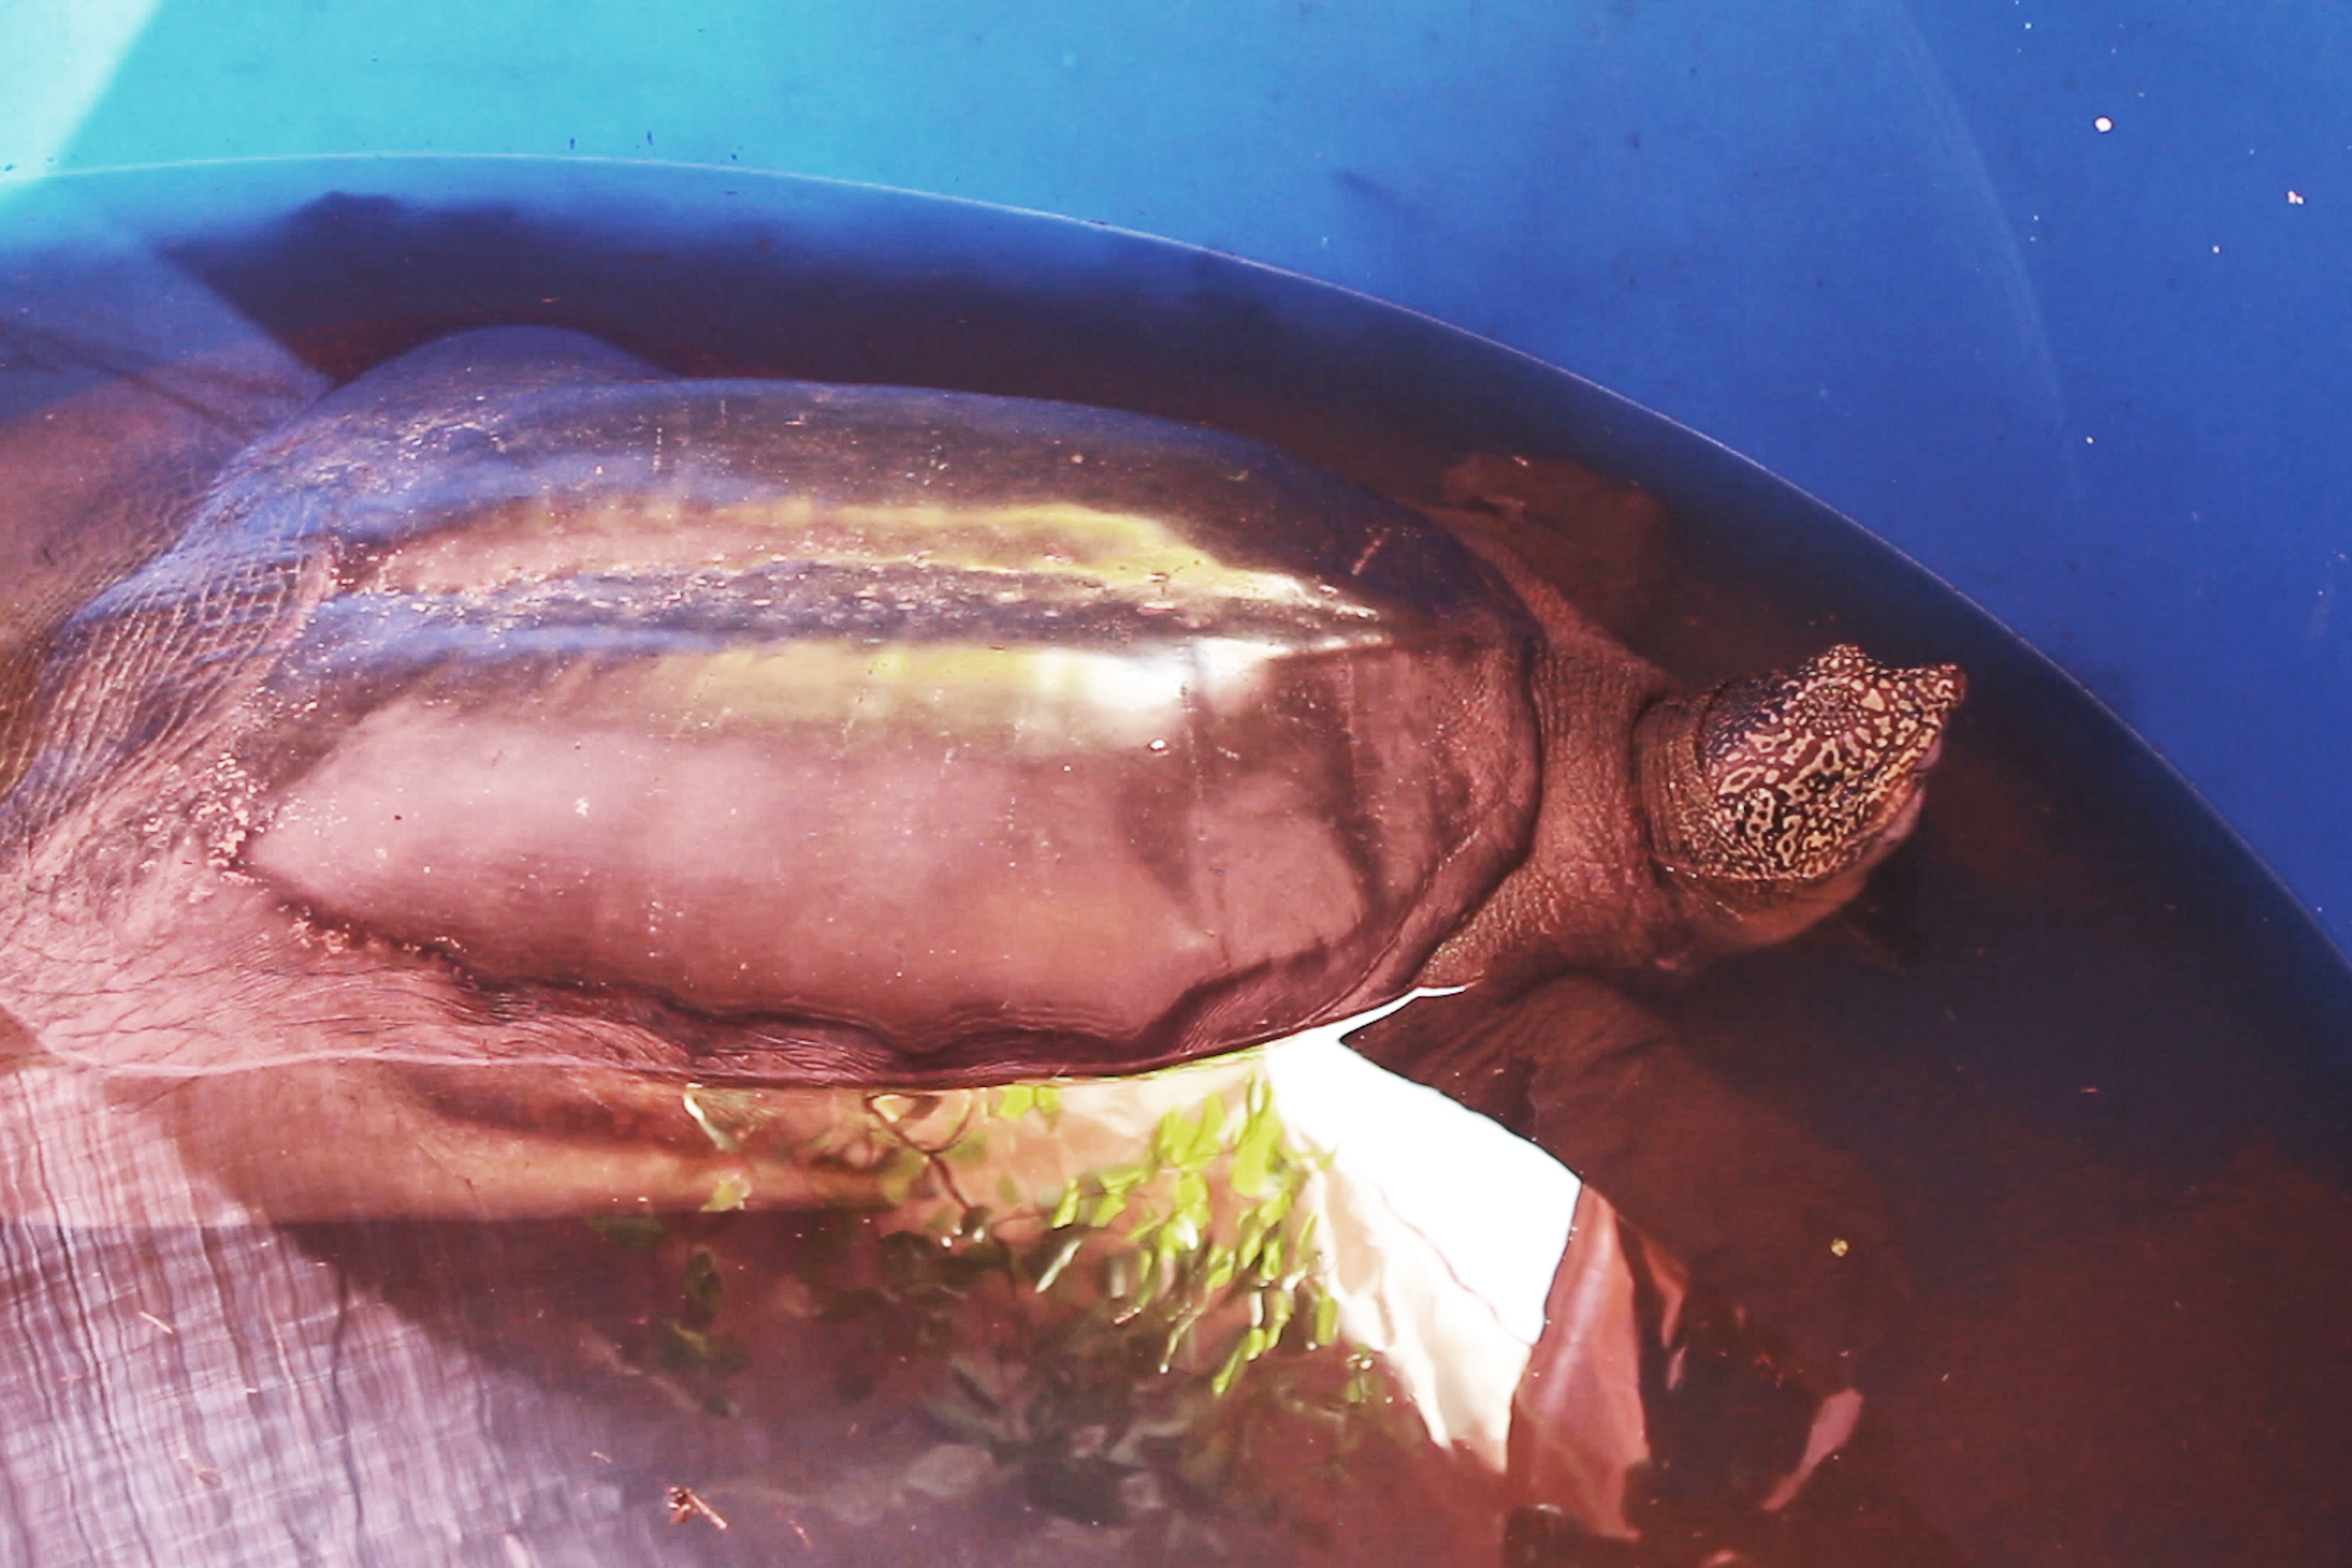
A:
{"x":986,"y":736}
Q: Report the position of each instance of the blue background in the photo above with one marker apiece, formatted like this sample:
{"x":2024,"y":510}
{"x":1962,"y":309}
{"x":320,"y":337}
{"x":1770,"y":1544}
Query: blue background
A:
{"x":2096,"y":378}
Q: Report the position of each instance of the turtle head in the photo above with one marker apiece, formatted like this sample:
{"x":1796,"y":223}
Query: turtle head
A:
{"x":1775,"y":795}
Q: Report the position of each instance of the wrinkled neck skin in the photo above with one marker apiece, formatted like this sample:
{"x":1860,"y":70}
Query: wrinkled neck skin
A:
{"x":1589,"y":895}
{"x":1593,"y":894}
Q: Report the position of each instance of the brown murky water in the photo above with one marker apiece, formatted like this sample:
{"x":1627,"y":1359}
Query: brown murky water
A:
{"x":2066,"y":1092}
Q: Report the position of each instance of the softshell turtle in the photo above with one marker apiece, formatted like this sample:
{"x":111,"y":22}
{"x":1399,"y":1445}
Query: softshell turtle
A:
{"x":519,"y":706}
{"x":520,"y":697}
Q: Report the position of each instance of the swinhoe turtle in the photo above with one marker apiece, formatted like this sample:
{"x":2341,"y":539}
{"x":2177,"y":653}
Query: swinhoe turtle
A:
{"x":520,"y":733}
{"x":519,"y":700}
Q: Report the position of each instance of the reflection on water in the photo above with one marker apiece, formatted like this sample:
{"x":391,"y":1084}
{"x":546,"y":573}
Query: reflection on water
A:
{"x":1984,"y":1150}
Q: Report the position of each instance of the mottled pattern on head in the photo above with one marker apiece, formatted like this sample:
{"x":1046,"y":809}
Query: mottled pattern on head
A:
{"x":1797,"y":774}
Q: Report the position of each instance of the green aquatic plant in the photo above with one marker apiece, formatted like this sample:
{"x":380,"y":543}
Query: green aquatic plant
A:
{"x":1131,"y":1332}
{"x":1200,"y":1240}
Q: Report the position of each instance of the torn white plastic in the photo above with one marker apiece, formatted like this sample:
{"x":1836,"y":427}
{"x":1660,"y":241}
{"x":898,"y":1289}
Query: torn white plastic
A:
{"x":1443,"y":1230}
